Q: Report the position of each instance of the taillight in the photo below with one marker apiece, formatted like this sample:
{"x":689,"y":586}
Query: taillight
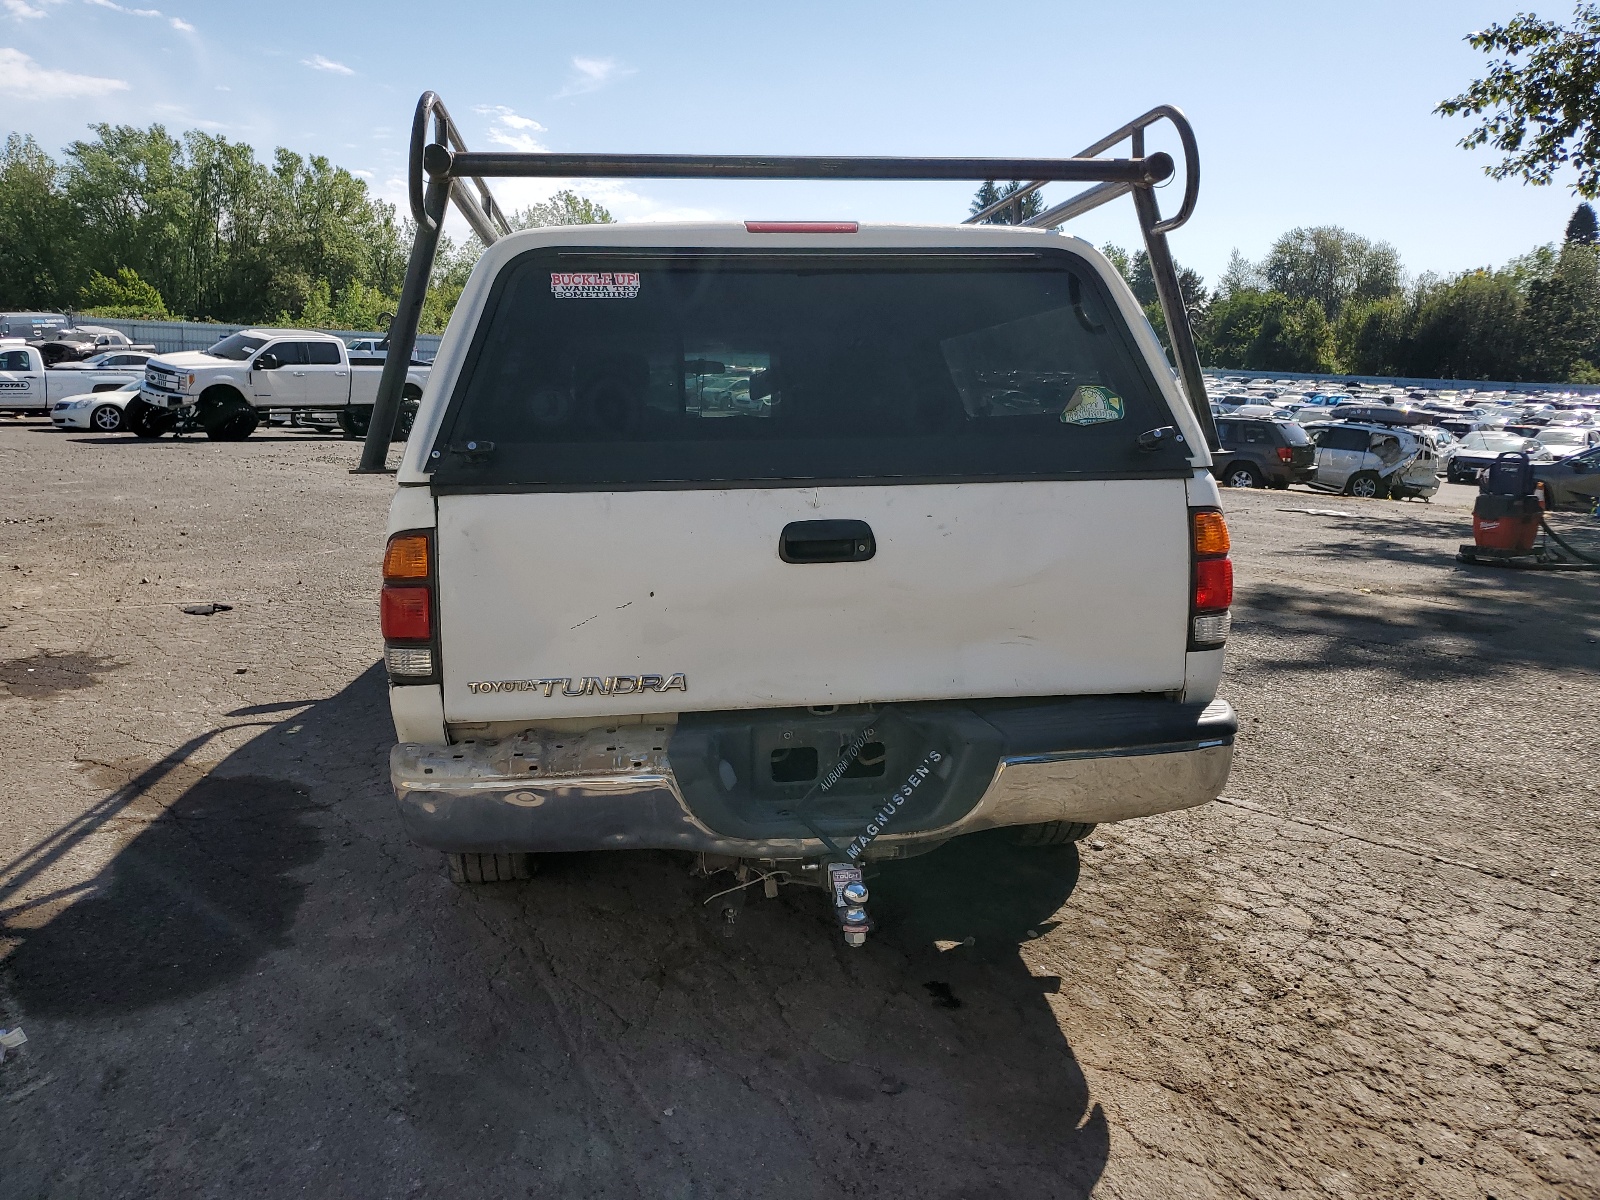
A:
{"x":406,"y":557}
{"x":1285,"y":454}
{"x":1213,"y":584}
{"x":406,"y":608}
{"x":406,"y":614}
{"x":1211,"y":574}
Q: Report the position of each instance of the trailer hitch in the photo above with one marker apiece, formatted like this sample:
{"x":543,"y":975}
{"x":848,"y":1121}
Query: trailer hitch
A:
{"x":849,"y":902}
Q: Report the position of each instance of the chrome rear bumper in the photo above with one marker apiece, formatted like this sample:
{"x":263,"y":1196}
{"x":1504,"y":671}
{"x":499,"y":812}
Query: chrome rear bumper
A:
{"x":616,"y":789}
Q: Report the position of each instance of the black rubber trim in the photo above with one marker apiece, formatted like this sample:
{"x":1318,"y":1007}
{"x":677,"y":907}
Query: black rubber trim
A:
{"x":777,"y":485}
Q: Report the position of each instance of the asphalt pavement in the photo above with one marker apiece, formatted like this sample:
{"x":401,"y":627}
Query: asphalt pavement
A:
{"x":1371,"y":970}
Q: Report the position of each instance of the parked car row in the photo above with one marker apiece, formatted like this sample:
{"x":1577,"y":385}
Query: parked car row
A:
{"x":1397,"y":442}
{"x":292,"y":376}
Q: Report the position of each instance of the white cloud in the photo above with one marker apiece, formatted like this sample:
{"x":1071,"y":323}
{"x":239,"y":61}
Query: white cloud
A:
{"x":360,"y":174}
{"x":132,"y":12}
{"x":592,"y":74}
{"x":317,"y":63}
{"x":21,"y":75}
{"x":181,"y":25}
{"x":22,"y":10}
{"x":506,"y":126}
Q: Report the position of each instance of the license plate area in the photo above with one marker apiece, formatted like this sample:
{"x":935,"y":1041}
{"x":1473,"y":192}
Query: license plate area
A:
{"x":792,"y":773}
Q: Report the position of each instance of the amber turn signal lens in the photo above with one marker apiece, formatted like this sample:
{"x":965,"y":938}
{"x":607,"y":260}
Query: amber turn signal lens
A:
{"x":406,"y":557}
{"x":1210,"y":533}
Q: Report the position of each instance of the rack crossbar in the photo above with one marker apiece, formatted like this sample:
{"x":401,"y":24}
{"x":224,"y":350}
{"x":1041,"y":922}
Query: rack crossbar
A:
{"x":1140,"y":172}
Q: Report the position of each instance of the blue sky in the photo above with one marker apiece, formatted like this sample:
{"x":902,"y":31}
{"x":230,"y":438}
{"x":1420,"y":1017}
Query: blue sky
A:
{"x":1306,"y":114}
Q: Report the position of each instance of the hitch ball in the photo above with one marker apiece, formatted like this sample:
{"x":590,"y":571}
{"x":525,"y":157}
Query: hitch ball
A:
{"x":855,"y":895}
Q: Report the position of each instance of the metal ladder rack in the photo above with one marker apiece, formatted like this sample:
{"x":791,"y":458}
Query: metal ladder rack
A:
{"x":456,"y":175}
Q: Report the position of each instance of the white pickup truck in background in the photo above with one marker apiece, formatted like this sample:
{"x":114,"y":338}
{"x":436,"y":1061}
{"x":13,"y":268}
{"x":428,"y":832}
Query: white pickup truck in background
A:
{"x":227,"y":389}
{"x":28,"y":386}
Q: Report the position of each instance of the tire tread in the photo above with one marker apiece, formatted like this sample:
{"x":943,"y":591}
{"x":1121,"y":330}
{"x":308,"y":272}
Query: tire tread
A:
{"x":489,"y":868}
{"x":1053,"y":833}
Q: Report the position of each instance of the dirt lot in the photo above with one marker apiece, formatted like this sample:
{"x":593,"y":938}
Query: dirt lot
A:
{"x":1371,"y":971}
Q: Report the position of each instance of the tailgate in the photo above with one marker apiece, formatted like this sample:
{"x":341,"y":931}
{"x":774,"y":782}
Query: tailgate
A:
{"x":1005,"y":589}
{"x":631,"y":434}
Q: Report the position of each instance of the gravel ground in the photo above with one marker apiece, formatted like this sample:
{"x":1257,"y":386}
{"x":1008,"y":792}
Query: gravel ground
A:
{"x":1370,"y":971}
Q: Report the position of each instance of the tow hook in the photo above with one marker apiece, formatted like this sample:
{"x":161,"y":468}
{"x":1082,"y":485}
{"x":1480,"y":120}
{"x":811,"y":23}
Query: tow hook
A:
{"x":849,"y":902}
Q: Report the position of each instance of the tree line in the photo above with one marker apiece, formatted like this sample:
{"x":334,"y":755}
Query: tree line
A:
{"x":139,"y":223}
{"x":1326,"y":300}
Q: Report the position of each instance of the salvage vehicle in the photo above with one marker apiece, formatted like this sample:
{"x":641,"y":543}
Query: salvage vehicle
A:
{"x":1375,"y":461}
{"x":1263,"y":454}
{"x":101,"y":412}
{"x":1478,"y":450}
{"x":225,"y":390}
{"x":1571,"y":482}
{"x":798,"y":545}
{"x":28,"y":386}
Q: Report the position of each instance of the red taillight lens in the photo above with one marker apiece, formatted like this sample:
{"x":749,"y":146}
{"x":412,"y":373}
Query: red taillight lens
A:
{"x":405,"y":614}
{"x":1213,"y":584}
{"x":1285,"y":454}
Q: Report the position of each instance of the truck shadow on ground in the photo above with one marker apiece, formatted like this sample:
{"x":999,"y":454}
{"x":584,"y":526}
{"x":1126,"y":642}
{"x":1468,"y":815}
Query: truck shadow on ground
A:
{"x":591,"y":1030}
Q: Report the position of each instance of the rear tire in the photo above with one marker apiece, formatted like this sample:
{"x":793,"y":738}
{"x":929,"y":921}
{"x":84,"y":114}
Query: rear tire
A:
{"x":489,"y":868}
{"x":1052,"y":833}
{"x":357,"y":419}
{"x":106,"y":419}
{"x":1241,"y":475}
{"x":354,"y":420}
{"x":147,"y":422}
{"x":235,"y":429}
{"x":1366,"y":485}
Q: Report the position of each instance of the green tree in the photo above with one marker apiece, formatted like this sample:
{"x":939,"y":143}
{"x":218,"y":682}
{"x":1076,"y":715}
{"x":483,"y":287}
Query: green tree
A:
{"x":1294,"y":336}
{"x":1542,"y":97}
{"x":128,"y":190}
{"x":1118,"y":258}
{"x":1240,"y":275}
{"x":1583,"y":228}
{"x":1191,"y":285}
{"x":1472,"y":326}
{"x":566,"y":207}
{"x":36,"y":228}
{"x":1371,"y":335}
{"x":1563,"y":316}
{"x":125,"y":296}
{"x":1332,"y":267}
{"x":989,"y":193}
{"x":1231,"y":325}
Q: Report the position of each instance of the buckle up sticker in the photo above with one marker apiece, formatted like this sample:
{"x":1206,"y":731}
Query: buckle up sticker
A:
{"x":594,"y":285}
{"x":1092,"y":404}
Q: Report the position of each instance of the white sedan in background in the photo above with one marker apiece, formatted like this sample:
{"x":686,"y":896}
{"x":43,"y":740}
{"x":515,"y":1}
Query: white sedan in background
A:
{"x":1566,"y":440}
{"x":98,"y":411}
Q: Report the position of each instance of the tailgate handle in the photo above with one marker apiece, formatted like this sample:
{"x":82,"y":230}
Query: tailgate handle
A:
{"x":826,"y":541}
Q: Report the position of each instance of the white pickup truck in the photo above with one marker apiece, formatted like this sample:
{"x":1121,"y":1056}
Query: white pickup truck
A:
{"x":28,"y":386}
{"x":801,"y":549}
{"x":226,"y":389}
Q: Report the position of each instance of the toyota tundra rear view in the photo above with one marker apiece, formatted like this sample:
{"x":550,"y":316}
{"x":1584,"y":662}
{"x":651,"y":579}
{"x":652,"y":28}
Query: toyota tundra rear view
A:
{"x":800,"y":544}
